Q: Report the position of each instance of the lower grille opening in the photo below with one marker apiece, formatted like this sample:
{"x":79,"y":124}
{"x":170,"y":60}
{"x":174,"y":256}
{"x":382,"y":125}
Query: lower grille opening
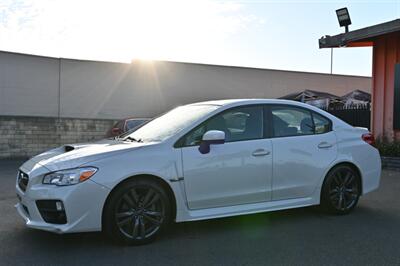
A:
{"x":52,"y":211}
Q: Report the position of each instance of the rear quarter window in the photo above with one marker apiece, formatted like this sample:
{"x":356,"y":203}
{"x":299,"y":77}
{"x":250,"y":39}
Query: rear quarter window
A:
{"x":322,"y":124}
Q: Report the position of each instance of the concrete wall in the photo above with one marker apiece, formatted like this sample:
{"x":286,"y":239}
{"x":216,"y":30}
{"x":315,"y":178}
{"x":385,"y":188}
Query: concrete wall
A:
{"x":28,"y":85}
{"x":41,"y":86}
{"x":26,"y":136}
{"x":46,"y":102}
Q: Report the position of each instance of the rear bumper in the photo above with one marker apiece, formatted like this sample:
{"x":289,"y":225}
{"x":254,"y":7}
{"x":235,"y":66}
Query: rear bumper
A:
{"x":371,"y":180}
{"x":371,"y":171}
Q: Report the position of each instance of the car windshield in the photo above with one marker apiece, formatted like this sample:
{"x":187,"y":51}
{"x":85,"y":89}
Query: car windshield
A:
{"x":170,"y":123}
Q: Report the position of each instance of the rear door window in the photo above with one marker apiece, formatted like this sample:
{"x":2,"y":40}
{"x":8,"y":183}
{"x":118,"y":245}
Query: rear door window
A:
{"x":291,"y":121}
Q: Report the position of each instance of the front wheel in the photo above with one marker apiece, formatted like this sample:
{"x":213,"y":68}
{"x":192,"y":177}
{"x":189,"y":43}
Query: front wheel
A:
{"x":341,"y":190}
{"x":136,"y":212}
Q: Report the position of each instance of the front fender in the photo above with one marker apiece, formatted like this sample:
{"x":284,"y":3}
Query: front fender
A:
{"x":154,"y":161}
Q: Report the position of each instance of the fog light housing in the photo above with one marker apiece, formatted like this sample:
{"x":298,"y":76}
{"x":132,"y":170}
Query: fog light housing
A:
{"x":59,"y":205}
{"x":52,"y":211}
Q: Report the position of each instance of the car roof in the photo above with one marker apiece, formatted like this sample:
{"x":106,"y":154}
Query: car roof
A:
{"x":239,"y":102}
{"x":248,"y":101}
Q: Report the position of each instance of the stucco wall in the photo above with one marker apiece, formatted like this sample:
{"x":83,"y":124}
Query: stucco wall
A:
{"x":41,"y":86}
{"x":28,"y":85}
{"x":47,"y":102}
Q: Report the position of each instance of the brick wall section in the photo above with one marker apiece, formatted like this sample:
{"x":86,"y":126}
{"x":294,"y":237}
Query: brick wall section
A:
{"x":22,"y":137}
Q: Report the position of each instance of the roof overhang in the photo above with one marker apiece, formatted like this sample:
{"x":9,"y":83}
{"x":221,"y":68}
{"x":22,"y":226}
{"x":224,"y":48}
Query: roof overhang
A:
{"x":361,"y":37}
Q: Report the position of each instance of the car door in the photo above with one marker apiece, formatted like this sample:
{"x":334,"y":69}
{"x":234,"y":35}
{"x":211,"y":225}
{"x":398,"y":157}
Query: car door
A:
{"x":304,"y":147}
{"x":236,"y":172}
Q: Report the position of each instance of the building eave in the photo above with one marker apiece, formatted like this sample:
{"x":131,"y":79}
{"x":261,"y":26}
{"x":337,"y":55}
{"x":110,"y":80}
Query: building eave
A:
{"x":362,"y":36}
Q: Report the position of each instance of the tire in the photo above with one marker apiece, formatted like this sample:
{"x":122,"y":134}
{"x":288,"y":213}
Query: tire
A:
{"x":341,"y":190}
{"x":136,"y":212}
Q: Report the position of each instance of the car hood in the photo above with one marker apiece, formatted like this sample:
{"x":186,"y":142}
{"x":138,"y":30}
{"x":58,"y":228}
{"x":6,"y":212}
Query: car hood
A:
{"x":75,"y":155}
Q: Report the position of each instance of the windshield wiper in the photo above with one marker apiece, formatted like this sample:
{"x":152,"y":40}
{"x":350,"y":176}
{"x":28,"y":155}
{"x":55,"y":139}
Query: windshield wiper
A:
{"x":133,"y":139}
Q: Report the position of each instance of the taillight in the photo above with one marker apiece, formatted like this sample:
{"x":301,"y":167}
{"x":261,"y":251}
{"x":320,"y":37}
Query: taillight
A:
{"x":368,"y":138}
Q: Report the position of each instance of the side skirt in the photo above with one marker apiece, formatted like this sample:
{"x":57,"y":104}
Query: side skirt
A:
{"x":220,"y":212}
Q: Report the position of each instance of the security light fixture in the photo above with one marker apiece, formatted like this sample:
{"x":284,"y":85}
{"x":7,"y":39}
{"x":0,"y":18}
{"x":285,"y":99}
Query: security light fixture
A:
{"x":343,"y":18}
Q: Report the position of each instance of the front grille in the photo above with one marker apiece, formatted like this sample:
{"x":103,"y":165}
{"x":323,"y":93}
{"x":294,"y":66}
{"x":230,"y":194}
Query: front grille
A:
{"x":23,"y":180}
{"x":50,"y":214}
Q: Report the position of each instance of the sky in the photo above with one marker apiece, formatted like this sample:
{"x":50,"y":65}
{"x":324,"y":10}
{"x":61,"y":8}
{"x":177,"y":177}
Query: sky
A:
{"x":263,"y":34}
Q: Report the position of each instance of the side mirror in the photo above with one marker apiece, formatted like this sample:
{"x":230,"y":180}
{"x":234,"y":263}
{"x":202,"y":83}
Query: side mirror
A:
{"x":116,"y":131}
{"x":211,"y":137}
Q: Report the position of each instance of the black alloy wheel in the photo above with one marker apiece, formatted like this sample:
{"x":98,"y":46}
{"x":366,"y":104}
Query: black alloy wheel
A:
{"x":137,"y":211}
{"x":341,"y":190}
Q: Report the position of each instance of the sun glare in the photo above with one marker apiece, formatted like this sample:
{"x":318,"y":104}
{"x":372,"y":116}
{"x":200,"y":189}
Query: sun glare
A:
{"x":123,"y":30}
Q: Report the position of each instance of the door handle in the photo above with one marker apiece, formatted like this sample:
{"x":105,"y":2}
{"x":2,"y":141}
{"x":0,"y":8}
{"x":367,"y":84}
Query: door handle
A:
{"x":260,"y":152}
{"x":324,"y":145}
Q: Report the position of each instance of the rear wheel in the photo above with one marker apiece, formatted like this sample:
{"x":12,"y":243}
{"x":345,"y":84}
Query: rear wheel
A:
{"x":341,"y":190}
{"x":137,"y":211}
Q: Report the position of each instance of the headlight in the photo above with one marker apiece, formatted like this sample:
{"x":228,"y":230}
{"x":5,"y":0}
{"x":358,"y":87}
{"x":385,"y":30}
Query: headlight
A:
{"x":69,"y":176}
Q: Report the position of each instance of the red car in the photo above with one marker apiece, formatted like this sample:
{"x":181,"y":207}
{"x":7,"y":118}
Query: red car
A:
{"x":125,"y":125}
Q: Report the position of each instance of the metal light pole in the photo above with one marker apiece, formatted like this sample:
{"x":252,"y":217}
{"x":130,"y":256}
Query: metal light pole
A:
{"x":344,"y":21}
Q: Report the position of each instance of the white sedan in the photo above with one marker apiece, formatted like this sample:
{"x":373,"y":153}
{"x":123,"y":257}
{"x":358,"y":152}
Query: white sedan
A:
{"x":200,"y":161}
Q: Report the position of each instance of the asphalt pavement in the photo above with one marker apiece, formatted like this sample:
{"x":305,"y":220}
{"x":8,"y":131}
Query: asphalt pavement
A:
{"x":368,"y":236}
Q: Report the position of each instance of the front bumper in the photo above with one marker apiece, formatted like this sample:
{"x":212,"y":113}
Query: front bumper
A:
{"x":83,"y":204}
